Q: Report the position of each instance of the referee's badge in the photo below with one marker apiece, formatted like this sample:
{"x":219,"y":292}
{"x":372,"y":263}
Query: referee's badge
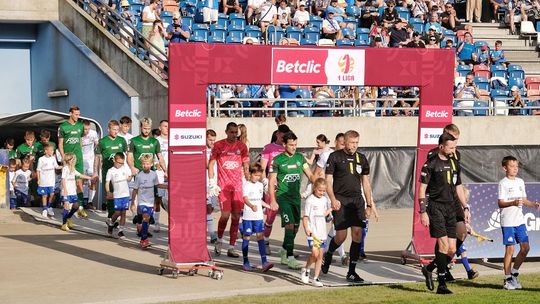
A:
{"x":359,"y":169}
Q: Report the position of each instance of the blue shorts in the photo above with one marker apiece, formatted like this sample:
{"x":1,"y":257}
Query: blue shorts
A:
{"x":71,"y":199}
{"x":145,"y":209}
{"x":121,"y":204}
{"x":45,"y":190}
{"x":310,"y":243}
{"x":250,"y":227}
{"x":515,"y":235}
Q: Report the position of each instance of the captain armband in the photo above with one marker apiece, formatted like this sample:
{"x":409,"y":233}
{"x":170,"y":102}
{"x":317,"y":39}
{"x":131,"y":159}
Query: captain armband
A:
{"x":422,"y":203}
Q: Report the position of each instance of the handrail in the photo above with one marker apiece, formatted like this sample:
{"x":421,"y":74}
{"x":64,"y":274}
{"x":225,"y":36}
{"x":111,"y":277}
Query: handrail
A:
{"x":119,"y":26}
{"x":353,"y":107}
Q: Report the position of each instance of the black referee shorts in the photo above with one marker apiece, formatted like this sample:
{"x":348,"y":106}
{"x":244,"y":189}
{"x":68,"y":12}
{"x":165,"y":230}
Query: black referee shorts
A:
{"x":351,"y":213}
{"x":442,"y":219}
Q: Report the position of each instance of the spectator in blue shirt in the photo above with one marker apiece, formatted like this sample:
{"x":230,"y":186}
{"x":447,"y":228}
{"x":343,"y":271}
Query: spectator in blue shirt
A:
{"x":497,"y":55}
{"x":465,"y":50}
{"x":178,"y":32}
{"x":339,"y":13}
{"x":433,"y":21}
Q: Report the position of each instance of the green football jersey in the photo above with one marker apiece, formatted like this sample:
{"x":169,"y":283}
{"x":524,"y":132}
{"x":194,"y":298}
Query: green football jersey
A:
{"x":289,"y":176}
{"x":107,"y":148}
{"x":41,"y":150}
{"x":139,"y":147}
{"x":72,"y":136}
{"x":24,"y":149}
{"x":12,"y":154}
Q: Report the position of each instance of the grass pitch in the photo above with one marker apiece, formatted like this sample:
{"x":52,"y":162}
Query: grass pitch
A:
{"x":482,"y":290}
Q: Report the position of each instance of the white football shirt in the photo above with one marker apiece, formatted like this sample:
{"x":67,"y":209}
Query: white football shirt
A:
{"x":119,"y":178}
{"x":46,"y":166}
{"x":510,"y":190}
{"x":254,"y":192}
{"x":315,"y":209}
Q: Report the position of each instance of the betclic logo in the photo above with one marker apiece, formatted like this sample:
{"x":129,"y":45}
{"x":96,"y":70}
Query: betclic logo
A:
{"x":442,"y":114}
{"x":188,"y":112}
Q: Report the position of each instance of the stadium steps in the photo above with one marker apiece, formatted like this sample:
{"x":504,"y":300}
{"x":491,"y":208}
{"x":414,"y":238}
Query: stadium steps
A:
{"x":517,"y":50}
{"x":153,"y":91}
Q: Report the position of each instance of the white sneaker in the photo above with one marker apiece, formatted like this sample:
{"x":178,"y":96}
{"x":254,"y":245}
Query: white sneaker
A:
{"x":304,"y":276}
{"x":317,"y":283}
{"x":516,"y":282}
{"x":509,"y":284}
{"x":50,"y":211}
{"x":44,"y":213}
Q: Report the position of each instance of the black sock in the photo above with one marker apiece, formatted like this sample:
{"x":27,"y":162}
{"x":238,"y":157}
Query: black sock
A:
{"x":431,"y":266}
{"x":458,"y":244}
{"x":333,"y":246}
{"x":354,"y":253}
{"x":440,"y":260}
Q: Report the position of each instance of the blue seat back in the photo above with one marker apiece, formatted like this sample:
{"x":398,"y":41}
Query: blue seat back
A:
{"x":480,"y":112}
{"x":362,"y":34}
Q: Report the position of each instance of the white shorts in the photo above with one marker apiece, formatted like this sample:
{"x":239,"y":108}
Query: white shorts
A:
{"x":209,"y":14}
{"x":88,"y":164}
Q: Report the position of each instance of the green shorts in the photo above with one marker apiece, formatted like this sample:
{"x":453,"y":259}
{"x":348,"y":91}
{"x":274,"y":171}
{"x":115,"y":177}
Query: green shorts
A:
{"x":290,"y":213}
{"x":79,"y":165}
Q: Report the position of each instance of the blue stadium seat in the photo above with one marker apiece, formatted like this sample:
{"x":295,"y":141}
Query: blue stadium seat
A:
{"x":306,"y":41}
{"x":233,"y":39}
{"x":418,"y":24}
{"x":312,"y":36}
{"x":480,"y":112}
{"x":499,"y":93}
{"x":344,"y":42}
{"x":190,"y":2}
{"x":482,"y":83}
{"x":362,"y":34}
{"x":236,"y":35}
{"x":446,"y":32}
{"x":275,"y":33}
{"x":199,"y":26}
{"x":316,"y":21}
{"x":137,"y":6}
{"x":295,"y":35}
{"x":254,"y":34}
{"x":403,"y":12}
{"x":348,"y":33}
{"x":359,"y":42}
{"x":463,"y":70}
{"x":237,"y":24}
{"x":223,"y":20}
{"x":353,"y":11}
{"x":516,"y":71}
{"x":188,"y":21}
{"x":293,"y":29}
{"x":236,"y":16}
{"x":311,"y":29}
{"x":217,"y":26}
{"x":199,"y":35}
{"x":217,"y":35}
{"x":515,"y":81}
{"x":498,"y":70}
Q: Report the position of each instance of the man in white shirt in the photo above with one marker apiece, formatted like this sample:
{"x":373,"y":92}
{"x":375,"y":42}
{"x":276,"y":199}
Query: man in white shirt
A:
{"x":254,"y":7}
{"x":268,"y":15}
{"x":89,"y":140}
{"x":330,"y":27}
{"x":301,"y":16}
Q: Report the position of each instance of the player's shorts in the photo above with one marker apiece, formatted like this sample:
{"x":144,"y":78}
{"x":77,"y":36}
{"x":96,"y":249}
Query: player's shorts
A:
{"x":290,"y":213}
{"x":515,"y":235}
{"x":71,"y":199}
{"x":145,"y":209}
{"x":442,"y":219}
{"x":213,"y":201}
{"x":351,"y":214}
{"x":460,"y":213}
{"x":310,"y":243}
{"x":21,"y":198}
{"x":231,"y":201}
{"x":121,"y":203}
{"x":88,"y":164}
{"x":209,"y":14}
{"x":249,"y":227}
{"x":45,"y":190}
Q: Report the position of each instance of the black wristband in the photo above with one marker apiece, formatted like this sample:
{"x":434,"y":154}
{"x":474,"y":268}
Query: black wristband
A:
{"x":422,"y":202}
{"x":466,"y":208}
{"x":368,"y":206}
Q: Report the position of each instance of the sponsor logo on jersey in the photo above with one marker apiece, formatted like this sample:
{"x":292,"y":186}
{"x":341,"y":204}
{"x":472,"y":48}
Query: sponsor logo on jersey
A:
{"x":230,"y":165}
{"x":144,"y":155}
{"x":442,"y":114}
{"x":72,"y":140}
{"x":74,"y":132}
{"x":147,"y":146}
{"x":318,"y":66}
{"x":291,"y":178}
{"x":292,"y":167}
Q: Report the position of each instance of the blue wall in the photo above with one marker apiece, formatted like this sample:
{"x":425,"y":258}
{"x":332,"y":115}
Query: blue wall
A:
{"x":60,"y":61}
{"x":15,"y":84}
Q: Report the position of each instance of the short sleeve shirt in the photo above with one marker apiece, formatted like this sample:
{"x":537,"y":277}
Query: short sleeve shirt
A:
{"x":269,"y":152}
{"x":511,"y":190}
{"x":323,"y":158}
{"x":289,"y":177}
{"x":107,"y":147}
{"x":21,"y":180}
{"x":230,"y":158}
{"x":46,"y":166}
{"x":72,"y":134}
{"x":69,"y":177}
{"x":23,"y":150}
{"x":145,"y":184}
{"x":40,"y":149}
{"x":314,"y":209}
{"x":346,"y":170}
{"x":254,"y":193}
{"x":441,"y":177}
{"x":119,"y":178}
{"x":88,"y":143}
{"x":141,"y":147}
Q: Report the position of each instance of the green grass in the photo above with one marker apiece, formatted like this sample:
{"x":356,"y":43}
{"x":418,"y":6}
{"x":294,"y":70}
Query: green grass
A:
{"x":482,"y":290}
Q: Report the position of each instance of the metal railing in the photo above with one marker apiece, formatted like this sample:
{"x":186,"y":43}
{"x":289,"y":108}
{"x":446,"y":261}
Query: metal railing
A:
{"x":345,"y":107}
{"x":128,"y":35}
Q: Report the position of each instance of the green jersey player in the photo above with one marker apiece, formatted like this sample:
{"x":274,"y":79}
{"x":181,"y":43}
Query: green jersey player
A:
{"x":286,"y":173}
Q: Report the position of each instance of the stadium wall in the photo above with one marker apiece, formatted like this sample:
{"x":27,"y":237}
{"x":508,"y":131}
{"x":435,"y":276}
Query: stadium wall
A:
{"x":59,"y":61}
{"x":153,"y":94}
{"x":28,"y":10}
{"x":391,"y":131}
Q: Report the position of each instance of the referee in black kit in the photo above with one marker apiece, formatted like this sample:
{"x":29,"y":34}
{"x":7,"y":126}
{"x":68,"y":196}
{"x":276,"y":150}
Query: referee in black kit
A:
{"x":439,"y":177}
{"x":347,"y":172}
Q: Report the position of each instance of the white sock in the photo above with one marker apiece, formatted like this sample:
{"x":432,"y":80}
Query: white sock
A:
{"x":91,"y":195}
{"x":290,"y":257}
{"x":209,"y":223}
{"x":332,"y":232}
{"x":267,"y":239}
{"x":514,"y":271}
{"x":156,"y":217}
{"x":507,"y":276}
{"x":231,"y":247}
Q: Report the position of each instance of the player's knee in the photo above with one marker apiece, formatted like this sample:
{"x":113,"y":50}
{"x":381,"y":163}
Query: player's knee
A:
{"x":225,"y":215}
{"x":209,"y":209}
{"x":524,"y":248}
{"x":510,"y":249}
{"x":146,"y":217}
{"x":235,"y":216}
{"x":260,"y":236}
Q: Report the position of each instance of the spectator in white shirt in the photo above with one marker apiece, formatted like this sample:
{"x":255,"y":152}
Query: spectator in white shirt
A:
{"x":330,"y":27}
{"x":301,"y":16}
{"x":253,"y":7}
